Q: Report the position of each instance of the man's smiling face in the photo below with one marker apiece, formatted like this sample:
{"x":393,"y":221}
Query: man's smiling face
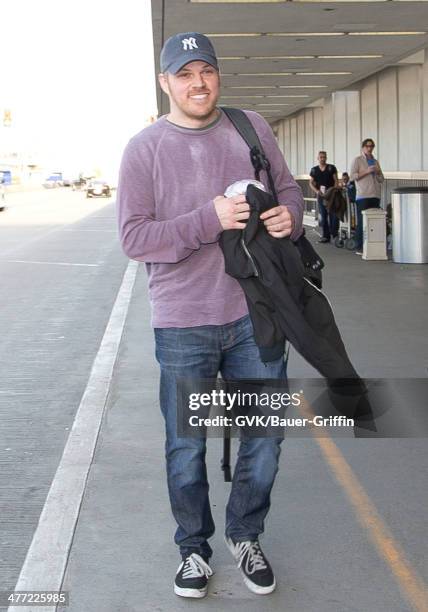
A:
{"x":193,"y":93}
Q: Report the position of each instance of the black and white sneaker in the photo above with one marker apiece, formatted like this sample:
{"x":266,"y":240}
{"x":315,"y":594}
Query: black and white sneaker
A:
{"x":192,"y":576}
{"x":255,"y":568}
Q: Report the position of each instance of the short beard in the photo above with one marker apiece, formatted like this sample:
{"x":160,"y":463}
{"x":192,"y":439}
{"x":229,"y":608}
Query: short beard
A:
{"x":203,"y":116}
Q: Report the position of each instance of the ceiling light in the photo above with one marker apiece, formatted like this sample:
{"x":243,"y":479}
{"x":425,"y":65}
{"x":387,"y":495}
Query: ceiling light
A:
{"x":298,"y":57}
{"x":238,"y":34}
{"x":257,"y":74}
{"x":266,"y":73}
{"x":336,"y":1}
{"x":329,"y":1}
{"x":320,"y":73}
{"x":268,"y":106}
{"x":238,"y":1}
{"x":275,"y":57}
{"x":267,"y":96}
{"x":244,"y":34}
{"x":262,"y":74}
{"x":306,"y":34}
{"x":302,"y":86}
{"x":386,"y":33}
{"x":349,"y":56}
{"x":268,"y":57}
{"x":251,"y":87}
{"x":275,"y":86}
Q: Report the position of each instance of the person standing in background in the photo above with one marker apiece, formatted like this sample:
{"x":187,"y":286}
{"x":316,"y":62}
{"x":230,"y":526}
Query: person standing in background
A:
{"x":349,"y":187}
{"x":368,"y":177}
{"x":323,"y":177}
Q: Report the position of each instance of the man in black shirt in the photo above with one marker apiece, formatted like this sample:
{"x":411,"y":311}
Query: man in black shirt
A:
{"x":324,"y":176}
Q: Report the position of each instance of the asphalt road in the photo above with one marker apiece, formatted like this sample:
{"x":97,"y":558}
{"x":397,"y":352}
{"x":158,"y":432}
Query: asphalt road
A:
{"x":60,"y":269}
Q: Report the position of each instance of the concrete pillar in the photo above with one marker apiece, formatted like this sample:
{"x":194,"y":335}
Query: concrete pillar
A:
{"x":387,"y":146}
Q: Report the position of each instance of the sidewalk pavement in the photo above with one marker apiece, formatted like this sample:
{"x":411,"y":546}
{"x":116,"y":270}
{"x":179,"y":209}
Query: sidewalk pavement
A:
{"x":123,"y":558}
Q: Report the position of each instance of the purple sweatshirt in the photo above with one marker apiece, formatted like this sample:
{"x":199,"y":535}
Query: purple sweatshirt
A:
{"x":169,"y":177}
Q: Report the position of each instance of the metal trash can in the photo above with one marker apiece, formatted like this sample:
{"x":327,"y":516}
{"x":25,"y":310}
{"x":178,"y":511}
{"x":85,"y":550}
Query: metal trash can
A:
{"x":410,"y":225}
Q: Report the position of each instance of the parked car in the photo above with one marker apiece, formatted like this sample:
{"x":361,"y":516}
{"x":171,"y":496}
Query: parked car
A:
{"x":98,"y":188}
{"x":2,"y":193}
{"x":54,"y":180}
{"x":6,"y":177}
{"x":79,"y":183}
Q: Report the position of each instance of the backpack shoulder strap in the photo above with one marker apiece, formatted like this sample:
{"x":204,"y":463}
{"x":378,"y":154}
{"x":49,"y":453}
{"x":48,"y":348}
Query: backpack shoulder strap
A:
{"x":244,"y":126}
{"x":246,"y":129}
{"x":239,"y":119}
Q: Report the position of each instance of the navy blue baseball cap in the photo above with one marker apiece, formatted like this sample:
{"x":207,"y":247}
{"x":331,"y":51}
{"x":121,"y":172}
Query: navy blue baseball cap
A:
{"x":187,"y":47}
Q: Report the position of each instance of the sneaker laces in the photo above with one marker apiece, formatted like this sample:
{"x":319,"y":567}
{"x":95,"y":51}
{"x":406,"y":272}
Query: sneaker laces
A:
{"x":195,"y":567}
{"x":255,"y":560}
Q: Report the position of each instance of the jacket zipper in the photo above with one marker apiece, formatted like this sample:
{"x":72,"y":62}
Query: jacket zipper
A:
{"x":248,"y":254}
{"x":319,"y":291}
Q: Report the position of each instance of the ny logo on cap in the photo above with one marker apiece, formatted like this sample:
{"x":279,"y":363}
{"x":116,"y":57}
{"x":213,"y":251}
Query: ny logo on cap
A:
{"x":189,"y":43}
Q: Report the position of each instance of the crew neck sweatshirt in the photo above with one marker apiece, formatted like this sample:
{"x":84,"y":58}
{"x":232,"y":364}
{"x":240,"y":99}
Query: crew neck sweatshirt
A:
{"x":168,"y":179}
{"x":198,"y":129}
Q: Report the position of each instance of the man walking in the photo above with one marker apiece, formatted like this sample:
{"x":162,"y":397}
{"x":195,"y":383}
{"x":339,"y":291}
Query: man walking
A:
{"x":322,"y":178}
{"x":171,"y":213}
{"x":368,"y":177}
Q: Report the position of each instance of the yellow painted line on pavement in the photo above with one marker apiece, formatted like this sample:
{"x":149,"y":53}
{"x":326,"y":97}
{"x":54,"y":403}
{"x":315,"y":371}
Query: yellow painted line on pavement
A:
{"x":411,"y":584}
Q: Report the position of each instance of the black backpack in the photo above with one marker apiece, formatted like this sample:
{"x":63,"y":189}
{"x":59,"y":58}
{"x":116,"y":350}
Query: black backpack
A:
{"x":310,"y":258}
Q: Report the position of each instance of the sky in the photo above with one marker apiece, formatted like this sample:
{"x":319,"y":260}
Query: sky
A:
{"x":78,"y":77}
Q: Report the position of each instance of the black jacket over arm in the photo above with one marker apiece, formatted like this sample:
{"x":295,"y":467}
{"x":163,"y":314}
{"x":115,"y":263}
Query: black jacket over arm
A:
{"x":283,"y":302}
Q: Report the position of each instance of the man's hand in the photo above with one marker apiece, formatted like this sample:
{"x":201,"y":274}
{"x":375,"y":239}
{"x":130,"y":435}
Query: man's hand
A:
{"x":278,"y":221}
{"x":232,"y":211}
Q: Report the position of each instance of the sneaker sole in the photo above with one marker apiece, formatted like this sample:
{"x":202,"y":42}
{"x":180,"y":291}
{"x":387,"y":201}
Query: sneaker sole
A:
{"x":195,"y":593}
{"x":254,"y":588}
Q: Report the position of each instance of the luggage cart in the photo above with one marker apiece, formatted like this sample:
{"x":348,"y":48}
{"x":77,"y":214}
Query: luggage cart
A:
{"x":346,"y":235}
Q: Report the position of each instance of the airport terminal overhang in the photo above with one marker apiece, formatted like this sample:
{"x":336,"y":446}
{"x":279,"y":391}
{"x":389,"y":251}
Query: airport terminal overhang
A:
{"x":279,"y":56}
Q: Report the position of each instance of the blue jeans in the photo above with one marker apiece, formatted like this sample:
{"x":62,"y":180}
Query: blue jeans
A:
{"x":202,"y":352}
{"x":363,"y":204}
{"x":329,"y":221}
